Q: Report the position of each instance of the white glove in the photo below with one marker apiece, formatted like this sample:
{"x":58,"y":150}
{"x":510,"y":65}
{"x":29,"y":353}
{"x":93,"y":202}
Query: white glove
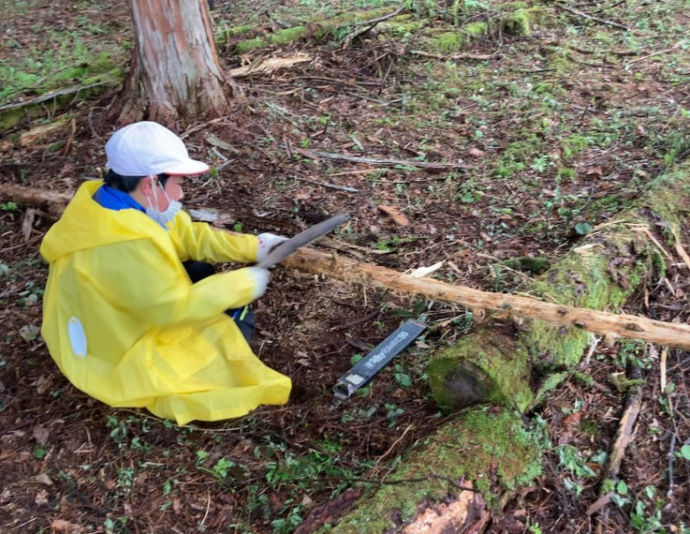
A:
{"x":260,"y":277}
{"x":266,"y":243}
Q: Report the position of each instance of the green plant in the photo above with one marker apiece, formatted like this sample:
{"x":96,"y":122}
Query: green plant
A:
{"x":684,"y":452}
{"x":571,"y":459}
{"x":393,"y":411}
{"x":125,"y":477}
{"x":9,"y":206}
{"x":401,"y":377}
{"x":40,"y":451}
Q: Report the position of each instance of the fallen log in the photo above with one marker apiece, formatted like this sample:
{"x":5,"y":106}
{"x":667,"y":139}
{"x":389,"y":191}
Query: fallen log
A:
{"x":49,"y":201}
{"x":600,"y":322}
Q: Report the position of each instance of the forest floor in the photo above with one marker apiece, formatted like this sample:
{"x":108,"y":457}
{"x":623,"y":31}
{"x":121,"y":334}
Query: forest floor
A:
{"x":544,"y":136}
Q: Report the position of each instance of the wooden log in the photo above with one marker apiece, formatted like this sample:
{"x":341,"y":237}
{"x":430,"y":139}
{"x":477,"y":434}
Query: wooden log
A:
{"x":49,"y":201}
{"x":600,"y":322}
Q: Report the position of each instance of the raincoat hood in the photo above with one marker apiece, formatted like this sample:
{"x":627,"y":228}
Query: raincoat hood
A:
{"x":86,"y":224}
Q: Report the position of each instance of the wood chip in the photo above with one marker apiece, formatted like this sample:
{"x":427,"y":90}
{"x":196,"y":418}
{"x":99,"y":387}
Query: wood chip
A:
{"x":395,"y":214}
{"x":270,"y":65}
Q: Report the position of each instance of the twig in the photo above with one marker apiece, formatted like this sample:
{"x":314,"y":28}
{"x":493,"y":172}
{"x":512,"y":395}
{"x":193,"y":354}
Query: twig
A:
{"x":54,"y":94}
{"x":409,"y":427}
{"x":326,"y":184}
{"x":381,"y":18}
{"x":608,"y":7}
{"x":368,"y":25}
{"x":671,"y":452}
{"x":658,"y":53}
{"x":596,"y":19}
{"x":477,"y":57}
{"x":342,"y":245}
{"x":624,"y":437}
{"x":315,"y":154}
{"x":672,"y":448}
{"x":208,"y":506}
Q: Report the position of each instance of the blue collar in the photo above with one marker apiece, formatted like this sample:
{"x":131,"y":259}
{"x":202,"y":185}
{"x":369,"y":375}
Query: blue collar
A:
{"x":114,"y":199}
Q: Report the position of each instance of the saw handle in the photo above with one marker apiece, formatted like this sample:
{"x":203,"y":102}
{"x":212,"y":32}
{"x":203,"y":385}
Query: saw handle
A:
{"x":286,"y":248}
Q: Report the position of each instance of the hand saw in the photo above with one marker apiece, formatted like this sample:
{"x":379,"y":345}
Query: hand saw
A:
{"x":286,"y":248}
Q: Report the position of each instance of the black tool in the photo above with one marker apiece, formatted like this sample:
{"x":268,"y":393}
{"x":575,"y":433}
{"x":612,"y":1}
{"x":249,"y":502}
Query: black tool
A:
{"x":288,"y":247}
{"x":365,"y":369}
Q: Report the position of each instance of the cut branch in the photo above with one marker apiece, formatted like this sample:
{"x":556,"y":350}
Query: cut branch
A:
{"x":603,"y":323}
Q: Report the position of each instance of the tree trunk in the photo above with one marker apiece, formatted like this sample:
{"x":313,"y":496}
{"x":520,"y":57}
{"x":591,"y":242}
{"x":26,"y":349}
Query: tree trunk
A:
{"x":175,"y":67}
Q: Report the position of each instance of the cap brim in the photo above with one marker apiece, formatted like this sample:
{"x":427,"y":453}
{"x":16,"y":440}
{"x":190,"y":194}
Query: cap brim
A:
{"x":190,"y":167}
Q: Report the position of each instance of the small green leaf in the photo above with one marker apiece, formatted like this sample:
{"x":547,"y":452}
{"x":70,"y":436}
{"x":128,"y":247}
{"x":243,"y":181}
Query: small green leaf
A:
{"x":685,"y":452}
{"x":583,"y":228}
{"x":622,"y":487}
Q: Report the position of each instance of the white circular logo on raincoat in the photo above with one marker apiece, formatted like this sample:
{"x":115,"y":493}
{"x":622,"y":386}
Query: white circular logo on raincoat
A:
{"x":77,"y":337}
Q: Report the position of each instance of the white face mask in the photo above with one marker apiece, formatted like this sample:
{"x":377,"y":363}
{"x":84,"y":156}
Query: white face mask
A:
{"x":162,"y":217}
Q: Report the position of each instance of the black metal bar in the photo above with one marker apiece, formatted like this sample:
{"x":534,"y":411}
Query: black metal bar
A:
{"x":366,"y":368}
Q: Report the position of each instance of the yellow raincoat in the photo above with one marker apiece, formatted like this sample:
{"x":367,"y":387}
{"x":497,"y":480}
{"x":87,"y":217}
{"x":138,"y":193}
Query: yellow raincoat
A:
{"x":125,"y":324}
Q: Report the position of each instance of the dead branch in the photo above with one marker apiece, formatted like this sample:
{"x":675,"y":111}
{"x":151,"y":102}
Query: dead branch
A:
{"x":53,"y":202}
{"x":367,"y":25}
{"x":590,"y":17}
{"x":624,"y":437}
{"x":455,"y":57}
{"x":316,"y":154}
{"x":603,"y":323}
{"x":326,"y":184}
{"x":53,"y":94}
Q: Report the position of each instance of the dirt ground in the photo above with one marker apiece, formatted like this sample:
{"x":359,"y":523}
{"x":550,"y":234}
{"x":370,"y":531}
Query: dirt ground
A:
{"x":516,"y":188}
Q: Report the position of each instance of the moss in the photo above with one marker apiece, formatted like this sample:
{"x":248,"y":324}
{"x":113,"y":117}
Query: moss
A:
{"x":483,"y":367}
{"x":287,"y":35}
{"x":402,"y":24}
{"x":13,"y":117}
{"x":249,"y":44}
{"x":449,"y":41}
{"x":521,"y":21}
{"x":492,"y":448}
{"x":223,"y":35}
{"x":599,"y":274}
{"x":454,"y":41}
{"x":102,"y":64}
{"x":476,"y":29}
{"x":586,"y":279}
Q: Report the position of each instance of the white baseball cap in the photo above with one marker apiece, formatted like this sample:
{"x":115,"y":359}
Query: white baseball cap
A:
{"x":148,"y":148}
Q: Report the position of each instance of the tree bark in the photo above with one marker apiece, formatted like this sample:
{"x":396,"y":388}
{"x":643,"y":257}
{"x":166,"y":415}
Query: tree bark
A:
{"x":175,"y":68}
